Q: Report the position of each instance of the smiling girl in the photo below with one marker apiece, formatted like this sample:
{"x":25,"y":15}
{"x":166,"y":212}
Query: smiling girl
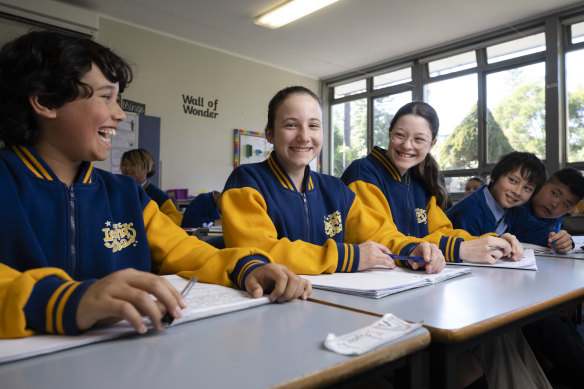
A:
{"x":402,"y":182}
{"x":310,"y":222}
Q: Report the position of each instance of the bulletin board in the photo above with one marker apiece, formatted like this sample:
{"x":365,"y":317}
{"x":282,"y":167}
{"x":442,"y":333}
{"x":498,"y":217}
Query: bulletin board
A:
{"x":250,"y":147}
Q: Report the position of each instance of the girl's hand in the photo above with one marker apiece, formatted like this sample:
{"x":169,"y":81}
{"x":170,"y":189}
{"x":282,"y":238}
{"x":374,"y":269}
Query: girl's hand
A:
{"x":372,"y":254}
{"x":432,"y":255}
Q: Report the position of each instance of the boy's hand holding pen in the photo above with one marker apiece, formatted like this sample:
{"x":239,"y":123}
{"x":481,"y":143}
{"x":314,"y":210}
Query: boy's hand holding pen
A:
{"x":167,"y":318}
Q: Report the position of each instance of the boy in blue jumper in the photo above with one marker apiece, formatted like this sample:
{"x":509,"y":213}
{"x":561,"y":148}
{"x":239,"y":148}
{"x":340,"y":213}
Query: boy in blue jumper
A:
{"x":561,"y":192}
{"x":497,"y":207}
{"x":78,"y":244}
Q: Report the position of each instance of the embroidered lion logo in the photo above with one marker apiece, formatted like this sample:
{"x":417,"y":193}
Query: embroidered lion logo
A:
{"x":421,"y":216}
{"x":333,"y":224}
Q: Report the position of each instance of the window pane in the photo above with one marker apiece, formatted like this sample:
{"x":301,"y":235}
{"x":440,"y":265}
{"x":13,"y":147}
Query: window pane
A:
{"x":349,"y":122}
{"x":458,"y":184}
{"x":516,"y":111}
{"x":392,"y":78}
{"x":455,"y":101}
{"x":452,"y":64}
{"x":350,"y":89}
{"x":383,"y":110}
{"x":577,"y":32}
{"x":575,"y":88}
{"x":517,"y":48}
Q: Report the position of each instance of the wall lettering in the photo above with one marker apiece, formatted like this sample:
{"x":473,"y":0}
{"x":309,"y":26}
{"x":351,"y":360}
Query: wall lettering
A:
{"x":197,"y":106}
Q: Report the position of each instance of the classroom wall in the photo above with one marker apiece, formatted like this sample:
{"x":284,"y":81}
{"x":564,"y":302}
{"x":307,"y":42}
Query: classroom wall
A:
{"x":196,"y":152}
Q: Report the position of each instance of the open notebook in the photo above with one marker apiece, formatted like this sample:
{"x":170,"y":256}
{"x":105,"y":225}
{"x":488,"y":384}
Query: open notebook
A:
{"x":526,"y":263}
{"x":203,"y":300}
{"x":381,"y":281}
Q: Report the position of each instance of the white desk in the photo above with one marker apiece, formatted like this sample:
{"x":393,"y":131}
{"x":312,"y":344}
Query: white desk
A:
{"x":463,"y":311}
{"x":275,"y":345}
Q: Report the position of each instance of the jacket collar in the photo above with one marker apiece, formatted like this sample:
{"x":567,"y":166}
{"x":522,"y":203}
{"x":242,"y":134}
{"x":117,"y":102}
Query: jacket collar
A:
{"x":379,"y":154}
{"x":41,"y":170}
{"x":283,"y":177}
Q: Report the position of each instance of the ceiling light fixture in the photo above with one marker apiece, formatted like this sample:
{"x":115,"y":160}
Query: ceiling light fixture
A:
{"x":290,"y":11}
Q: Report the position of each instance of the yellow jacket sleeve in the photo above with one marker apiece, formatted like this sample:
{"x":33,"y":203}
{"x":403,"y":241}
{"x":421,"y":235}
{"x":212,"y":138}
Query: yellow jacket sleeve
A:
{"x":174,"y":251}
{"x":170,"y":210}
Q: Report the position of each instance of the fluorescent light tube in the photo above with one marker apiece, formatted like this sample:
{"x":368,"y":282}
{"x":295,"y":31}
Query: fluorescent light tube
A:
{"x":290,"y":11}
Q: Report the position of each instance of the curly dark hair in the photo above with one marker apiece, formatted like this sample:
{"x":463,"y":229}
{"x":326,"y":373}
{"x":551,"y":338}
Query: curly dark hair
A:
{"x":48,"y":64}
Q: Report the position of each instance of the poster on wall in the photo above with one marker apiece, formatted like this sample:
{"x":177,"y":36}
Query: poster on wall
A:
{"x":252,"y":147}
{"x":126,"y":138}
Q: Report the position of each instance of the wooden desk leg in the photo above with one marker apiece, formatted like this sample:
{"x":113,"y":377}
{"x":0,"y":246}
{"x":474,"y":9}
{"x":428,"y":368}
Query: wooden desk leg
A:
{"x":442,"y":366}
{"x":410,"y":376}
{"x":416,"y":367}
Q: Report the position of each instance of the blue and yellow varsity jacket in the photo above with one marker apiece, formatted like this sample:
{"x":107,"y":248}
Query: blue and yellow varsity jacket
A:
{"x":474,"y":215}
{"x":56,"y":240}
{"x":317,"y":231}
{"x":164,"y":202}
{"x":404,"y":201}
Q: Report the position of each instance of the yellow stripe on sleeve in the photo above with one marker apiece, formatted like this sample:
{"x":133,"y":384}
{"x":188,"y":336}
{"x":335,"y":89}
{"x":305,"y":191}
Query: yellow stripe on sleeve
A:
{"x":345,"y":259}
{"x":51,"y":304}
{"x":244,"y":269}
{"x":351,"y":257}
{"x":61,"y":308}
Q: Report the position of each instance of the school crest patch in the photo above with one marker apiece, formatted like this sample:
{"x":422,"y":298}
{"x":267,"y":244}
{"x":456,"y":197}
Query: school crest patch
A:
{"x":333,"y":224}
{"x":421,"y":216}
{"x":119,"y":236}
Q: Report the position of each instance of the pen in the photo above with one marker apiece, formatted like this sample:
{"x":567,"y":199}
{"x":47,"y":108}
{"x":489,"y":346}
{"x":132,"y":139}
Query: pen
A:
{"x":558,"y":226}
{"x":167,"y":319}
{"x":407,"y":258}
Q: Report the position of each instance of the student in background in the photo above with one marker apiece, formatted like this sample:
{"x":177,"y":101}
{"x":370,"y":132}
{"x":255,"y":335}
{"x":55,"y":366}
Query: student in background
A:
{"x":498,"y":206}
{"x":203,"y":211}
{"x":561,"y":192}
{"x":78,"y":244}
{"x":555,"y":340}
{"x":139,"y":164}
{"x":473,"y":184}
{"x":310,"y":222}
{"x":403,"y":183}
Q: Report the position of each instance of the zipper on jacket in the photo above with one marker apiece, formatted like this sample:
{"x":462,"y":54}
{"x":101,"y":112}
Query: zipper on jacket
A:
{"x":409,"y":208}
{"x":72,"y":233}
{"x":306,"y":217}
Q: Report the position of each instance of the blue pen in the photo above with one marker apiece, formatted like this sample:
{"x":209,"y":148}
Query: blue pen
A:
{"x":558,"y":226}
{"x":407,"y":258}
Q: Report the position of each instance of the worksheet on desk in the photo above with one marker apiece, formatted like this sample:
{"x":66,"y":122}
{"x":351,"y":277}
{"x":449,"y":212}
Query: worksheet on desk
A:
{"x":203,"y":300}
{"x":526,"y":263}
{"x":549,"y":252}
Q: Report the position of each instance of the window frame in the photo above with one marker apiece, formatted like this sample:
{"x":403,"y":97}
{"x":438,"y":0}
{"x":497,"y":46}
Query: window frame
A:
{"x":556,"y":28}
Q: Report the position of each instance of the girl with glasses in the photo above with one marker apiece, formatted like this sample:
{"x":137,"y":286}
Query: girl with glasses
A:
{"x":403,"y":182}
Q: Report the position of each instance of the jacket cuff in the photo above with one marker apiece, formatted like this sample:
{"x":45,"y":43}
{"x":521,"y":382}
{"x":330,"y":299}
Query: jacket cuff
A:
{"x":406,"y":250}
{"x":348,"y":260}
{"x":450,"y":247}
{"x":245,"y":266}
{"x":52,"y":305}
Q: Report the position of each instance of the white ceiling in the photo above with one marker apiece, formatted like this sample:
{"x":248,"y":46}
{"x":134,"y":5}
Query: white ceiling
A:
{"x":345,"y":36}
